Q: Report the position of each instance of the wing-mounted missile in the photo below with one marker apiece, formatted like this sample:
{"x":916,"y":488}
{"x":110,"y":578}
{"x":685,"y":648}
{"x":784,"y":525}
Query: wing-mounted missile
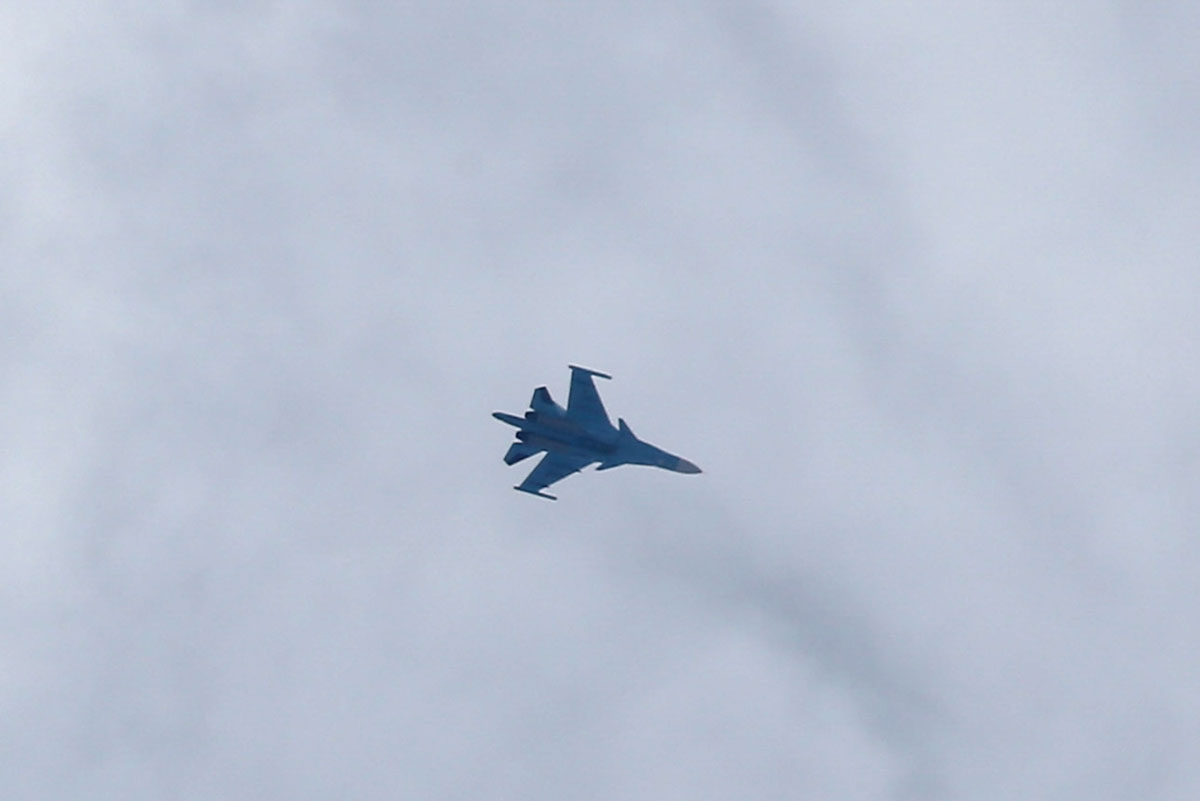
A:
{"x":585,"y":371}
{"x":538,"y":493}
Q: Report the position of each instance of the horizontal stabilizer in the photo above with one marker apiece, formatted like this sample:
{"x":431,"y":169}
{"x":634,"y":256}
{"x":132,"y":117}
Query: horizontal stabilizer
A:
{"x":518,"y":451}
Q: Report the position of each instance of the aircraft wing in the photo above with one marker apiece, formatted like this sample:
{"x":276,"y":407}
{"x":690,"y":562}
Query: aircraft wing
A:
{"x":553,"y":467}
{"x":584,"y":406}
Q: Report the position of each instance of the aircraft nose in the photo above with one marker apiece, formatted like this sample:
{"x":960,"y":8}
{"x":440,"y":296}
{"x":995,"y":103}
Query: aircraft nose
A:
{"x":684,"y":466}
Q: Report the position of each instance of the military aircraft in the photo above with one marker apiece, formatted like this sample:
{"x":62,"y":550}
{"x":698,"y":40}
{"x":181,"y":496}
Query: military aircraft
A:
{"x":577,"y":436}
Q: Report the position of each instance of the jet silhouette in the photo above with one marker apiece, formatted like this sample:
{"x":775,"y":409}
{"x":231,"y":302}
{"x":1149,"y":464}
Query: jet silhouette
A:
{"x":577,"y":436}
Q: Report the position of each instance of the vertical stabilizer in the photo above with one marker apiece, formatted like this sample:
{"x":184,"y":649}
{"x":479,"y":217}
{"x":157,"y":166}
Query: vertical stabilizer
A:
{"x":542,"y":403}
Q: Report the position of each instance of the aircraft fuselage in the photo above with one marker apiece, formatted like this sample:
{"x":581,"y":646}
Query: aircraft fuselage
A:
{"x":549,"y":433}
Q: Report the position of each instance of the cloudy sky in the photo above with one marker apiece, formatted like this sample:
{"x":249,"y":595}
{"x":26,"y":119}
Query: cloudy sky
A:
{"x":916,"y":285}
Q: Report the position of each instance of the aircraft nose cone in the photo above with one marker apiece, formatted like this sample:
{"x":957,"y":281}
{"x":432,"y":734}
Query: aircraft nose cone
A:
{"x":684,"y":466}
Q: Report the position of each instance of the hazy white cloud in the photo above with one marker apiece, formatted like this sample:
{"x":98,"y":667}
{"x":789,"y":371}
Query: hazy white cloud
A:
{"x":913,"y":286}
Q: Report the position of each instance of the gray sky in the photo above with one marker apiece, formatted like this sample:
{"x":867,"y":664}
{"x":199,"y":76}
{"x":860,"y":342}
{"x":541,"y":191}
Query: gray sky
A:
{"x":915,"y":285}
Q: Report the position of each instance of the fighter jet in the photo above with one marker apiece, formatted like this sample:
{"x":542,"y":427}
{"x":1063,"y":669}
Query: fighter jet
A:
{"x":577,"y":436}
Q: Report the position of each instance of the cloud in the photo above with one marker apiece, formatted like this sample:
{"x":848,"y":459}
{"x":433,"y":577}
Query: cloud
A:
{"x":913,"y":289}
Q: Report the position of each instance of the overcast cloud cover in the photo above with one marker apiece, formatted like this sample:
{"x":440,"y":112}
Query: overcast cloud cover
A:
{"x":915,"y":284}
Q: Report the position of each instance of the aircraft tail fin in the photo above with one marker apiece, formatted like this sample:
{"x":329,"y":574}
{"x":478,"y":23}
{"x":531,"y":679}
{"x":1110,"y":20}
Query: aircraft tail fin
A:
{"x":542,"y":402}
